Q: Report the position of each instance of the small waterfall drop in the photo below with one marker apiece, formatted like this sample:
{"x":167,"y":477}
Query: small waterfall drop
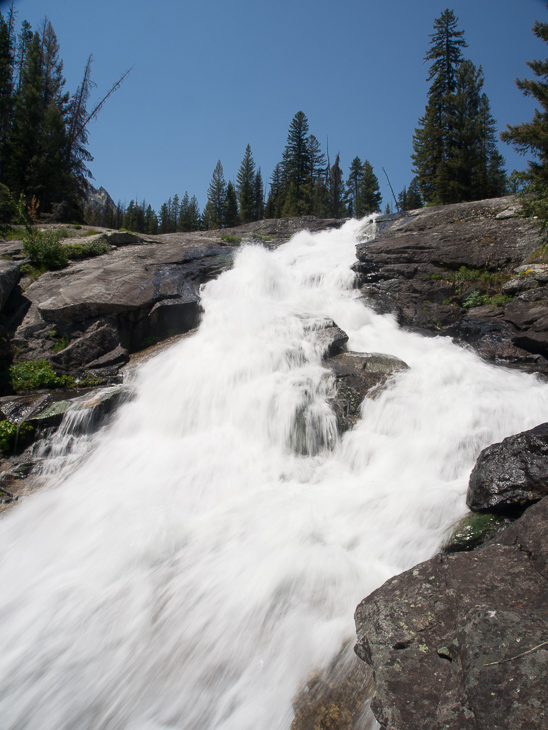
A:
{"x":206,"y":555}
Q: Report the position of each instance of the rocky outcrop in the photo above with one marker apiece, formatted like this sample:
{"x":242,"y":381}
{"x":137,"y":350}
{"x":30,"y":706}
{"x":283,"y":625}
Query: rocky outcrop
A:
{"x":461,"y":641}
{"x":358,"y":374}
{"x":511,"y":475}
{"x":92,"y":314}
{"x":468,"y":271}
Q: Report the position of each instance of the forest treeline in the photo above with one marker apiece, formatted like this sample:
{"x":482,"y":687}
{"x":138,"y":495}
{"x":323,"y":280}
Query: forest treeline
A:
{"x":44,"y":156}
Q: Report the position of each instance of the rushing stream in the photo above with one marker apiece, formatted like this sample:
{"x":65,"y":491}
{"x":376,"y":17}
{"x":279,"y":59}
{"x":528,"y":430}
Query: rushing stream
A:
{"x":193,"y":569}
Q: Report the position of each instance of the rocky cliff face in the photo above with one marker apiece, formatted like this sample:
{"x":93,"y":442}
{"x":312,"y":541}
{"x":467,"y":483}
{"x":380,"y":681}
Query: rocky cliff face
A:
{"x":472,"y":271}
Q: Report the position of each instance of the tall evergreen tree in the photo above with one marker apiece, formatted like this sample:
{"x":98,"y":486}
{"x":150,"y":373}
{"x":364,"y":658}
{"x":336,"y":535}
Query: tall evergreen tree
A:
{"x":410,"y":198}
{"x":258,"y":191}
{"x":369,"y":197}
{"x":336,"y":190}
{"x":353,"y":184}
{"x":216,"y":197}
{"x":434,"y":139}
{"x":273,"y":203}
{"x":230,"y":215}
{"x":245,"y":183}
{"x":7,"y":66}
{"x":532,"y":137}
{"x":296,"y":168}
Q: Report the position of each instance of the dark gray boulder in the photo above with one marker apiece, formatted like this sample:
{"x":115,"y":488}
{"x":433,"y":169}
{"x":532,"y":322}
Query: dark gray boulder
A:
{"x":511,"y":475}
{"x":460,"y":640}
{"x":357,"y":375}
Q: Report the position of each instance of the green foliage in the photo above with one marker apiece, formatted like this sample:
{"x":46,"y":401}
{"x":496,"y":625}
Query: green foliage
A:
{"x":455,"y":155}
{"x":477,"y":299}
{"x":59,"y":341}
{"x":88,"y":249}
{"x":245,"y":186}
{"x":14,"y":434}
{"x":532,"y":137}
{"x":369,"y":197}
{"x":44,"y":249}
{"x":230,"y":239}
{"x":36,"y":374}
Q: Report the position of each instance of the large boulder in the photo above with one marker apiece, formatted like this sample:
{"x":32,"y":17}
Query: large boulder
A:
{"x":121,"y":302}
{"x":511,"y":475}
{"x":358,"y":374}
{"x":460,"y":641}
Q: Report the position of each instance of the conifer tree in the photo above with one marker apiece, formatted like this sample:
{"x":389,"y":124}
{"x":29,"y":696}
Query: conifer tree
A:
{"x":216,"y":197}
{"x":7,"y":66}
{"x":193,"y":219}
{"x":230,"y":214}
{"x":410,"y":198}
{"x":434,"y":139}
{"x":369,"y":197}
{"x":353,"y":184}
{"x":336,"y":190}
{"x":258,"y":191}
{"x":245,"y":183}
{"x":455,"y":155}
{"x":532,"y":137}
{"x":273,"y":203}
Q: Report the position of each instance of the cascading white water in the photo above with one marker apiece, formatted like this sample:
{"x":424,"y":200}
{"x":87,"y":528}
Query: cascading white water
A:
{"x":195,"y":568}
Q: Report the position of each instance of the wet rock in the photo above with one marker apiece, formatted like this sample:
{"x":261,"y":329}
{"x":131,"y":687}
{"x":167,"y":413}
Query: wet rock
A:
{"x":357,"y":375}
{"x":337,"y":698}
{"x":330,"y":337}
{"x":511,"y":475}
{"x":459,"y":641}
{"x":474,"y":530}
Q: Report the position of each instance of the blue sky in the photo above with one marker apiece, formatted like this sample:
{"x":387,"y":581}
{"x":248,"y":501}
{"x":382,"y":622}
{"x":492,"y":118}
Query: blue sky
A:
{"x":211,"y":76}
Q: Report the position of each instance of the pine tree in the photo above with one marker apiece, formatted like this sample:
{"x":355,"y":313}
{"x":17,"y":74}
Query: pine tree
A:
{"x":230,"y":214}
{"x":194,"y":219}
{"x":258,"y":191}
{"x":353,"y":184}
{"x":336,"y":190}
{"x":296,"y":169}
{"x":456,"y":157}
{"x":273,"y":203}
{"x":216,"y":196}
{"x":7,"y":64}
{"x":410,"y":198}
{"x":369,"y":197}
{"x":246,"y":188}
{"x":532,"y":137}
{"x":434,"y":139}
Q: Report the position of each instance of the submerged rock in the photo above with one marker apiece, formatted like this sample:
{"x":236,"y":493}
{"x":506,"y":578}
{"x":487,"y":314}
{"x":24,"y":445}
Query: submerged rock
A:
{"x":359,"y":374}
{"x":336,"y":698}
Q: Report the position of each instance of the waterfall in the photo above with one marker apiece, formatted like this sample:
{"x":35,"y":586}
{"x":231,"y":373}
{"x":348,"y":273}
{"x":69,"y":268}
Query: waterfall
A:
{"x":195,"y":567}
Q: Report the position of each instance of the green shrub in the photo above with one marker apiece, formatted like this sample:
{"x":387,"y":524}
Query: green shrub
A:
{"x":44,"y":248}
{"x":13,"y":433}
{"x":87,"y":249}
{"x":475,"y":299}
{"x":35,"y":374}
{"x":231,"y":239}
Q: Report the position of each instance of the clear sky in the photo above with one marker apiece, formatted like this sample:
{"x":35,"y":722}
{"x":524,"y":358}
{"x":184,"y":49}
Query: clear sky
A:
{"x":211,"y":76}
